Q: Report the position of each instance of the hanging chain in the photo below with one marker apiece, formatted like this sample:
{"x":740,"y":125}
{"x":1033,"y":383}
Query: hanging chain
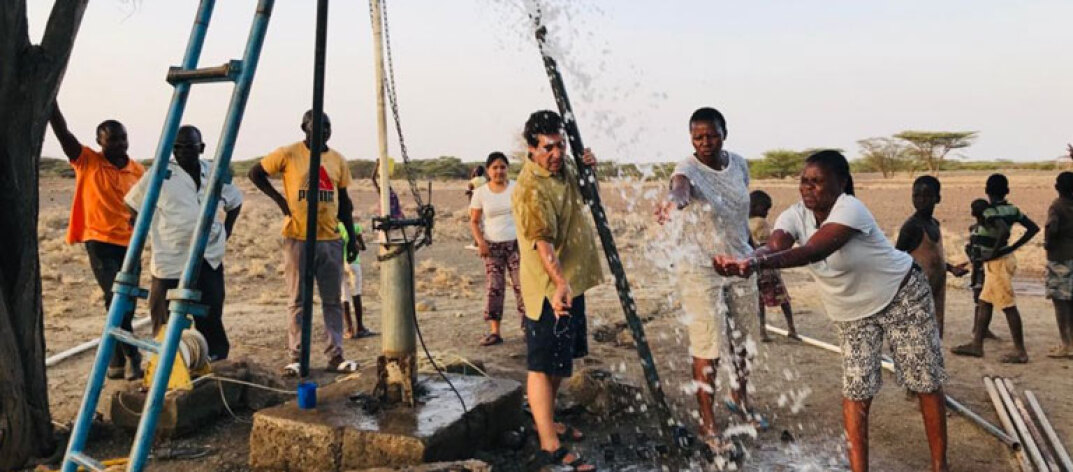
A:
{"x":425,"y":212}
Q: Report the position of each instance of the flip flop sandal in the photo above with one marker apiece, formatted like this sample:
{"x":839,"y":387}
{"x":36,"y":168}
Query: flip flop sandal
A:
{"x":1058,"y":353}
{"x":557,"y":461}
{"x":344,"y":367}
{"x":291,"y":370}
{"x":755,"y":419}
{"x":570,"y":433}
{"x":365,"y":333}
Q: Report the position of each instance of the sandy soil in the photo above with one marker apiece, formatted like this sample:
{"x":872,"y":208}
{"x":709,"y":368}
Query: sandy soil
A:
{"x":798,"y":386}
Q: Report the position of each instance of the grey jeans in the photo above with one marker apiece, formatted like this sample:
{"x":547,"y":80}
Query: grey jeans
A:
{"x":328,"y":274}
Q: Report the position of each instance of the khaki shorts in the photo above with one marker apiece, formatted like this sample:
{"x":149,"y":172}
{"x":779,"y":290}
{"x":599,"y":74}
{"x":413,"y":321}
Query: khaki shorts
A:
{"x":1060,"y":280}
{"x":998,"y":282}
{"x":351,"y":281}
{"x":720,"y":312}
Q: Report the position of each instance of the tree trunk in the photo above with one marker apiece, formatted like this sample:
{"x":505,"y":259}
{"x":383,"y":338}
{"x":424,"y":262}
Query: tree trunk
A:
{"x":30,"y":76}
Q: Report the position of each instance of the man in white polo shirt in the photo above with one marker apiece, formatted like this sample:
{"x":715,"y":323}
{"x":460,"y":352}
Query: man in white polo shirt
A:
{"x":177,"y":212}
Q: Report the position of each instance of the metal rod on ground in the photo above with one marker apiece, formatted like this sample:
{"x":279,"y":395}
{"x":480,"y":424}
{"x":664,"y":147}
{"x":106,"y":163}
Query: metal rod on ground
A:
{"x":1056,"y":443}
{"x":1007,"y":423}
{"x":1037,"y":438}
{"x":398,"y":331}
{"x":1022,"y":429}
{"x":313,"y":187}
{"x":587,"y":185}
{"x":950,"y":401}
{"x":74,"y":351}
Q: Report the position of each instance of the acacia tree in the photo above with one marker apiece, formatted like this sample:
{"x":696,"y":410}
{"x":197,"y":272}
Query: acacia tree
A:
{"x":30,"y":76}
{"x":931,"y":147}
{"x":887,"y":155}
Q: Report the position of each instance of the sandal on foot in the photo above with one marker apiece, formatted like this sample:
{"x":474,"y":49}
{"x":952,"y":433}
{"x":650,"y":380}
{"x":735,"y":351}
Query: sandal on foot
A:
{"x":1014,"y":358}
{"x":341,"y":366}
{"x":364,"y":333}
{"x":557,"y":461}
{"x":491,"y":340}
{"x":758,"y":421}
{"x":569,"y":433}
{"x":1059,"y":352}
{"x":967,"y":350}
{"x":290,"y":370}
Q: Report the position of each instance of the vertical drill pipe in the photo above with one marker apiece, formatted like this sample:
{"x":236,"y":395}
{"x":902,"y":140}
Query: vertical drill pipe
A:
{"x":122,"y":303}
{"x":587,"y":185}
{"x":381,"y":116}
{"x":313,"y":187}
{"x":1052,"y":437}
{"x":399,"y":338}
{"x":178,"y":319}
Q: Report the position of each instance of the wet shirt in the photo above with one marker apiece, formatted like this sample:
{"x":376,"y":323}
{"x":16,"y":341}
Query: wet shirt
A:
{"x":98,"y":212}
{"x":549,"y":207}
{"x":1059,"y":230}
{"x":177,"y":212}
{"x":293,"y":162}
{"x":863,"y":276}
{"x":717,"y":218}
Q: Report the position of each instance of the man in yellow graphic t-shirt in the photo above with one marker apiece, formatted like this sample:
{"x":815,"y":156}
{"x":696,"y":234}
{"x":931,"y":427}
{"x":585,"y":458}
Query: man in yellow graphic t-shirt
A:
{"x":333,"y":206}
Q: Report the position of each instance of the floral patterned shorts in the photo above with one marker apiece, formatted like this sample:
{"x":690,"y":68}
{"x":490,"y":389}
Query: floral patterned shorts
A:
{"x":908,"y":324}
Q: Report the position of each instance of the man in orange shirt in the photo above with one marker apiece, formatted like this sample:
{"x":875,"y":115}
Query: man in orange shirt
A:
{"x":100,"y":218}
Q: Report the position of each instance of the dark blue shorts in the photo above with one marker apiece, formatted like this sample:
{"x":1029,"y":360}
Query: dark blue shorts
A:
{"x":552,"y":343}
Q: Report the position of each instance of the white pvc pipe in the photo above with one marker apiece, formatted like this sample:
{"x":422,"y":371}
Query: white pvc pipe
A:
{"x":1052,"y":437}
{"x":1033,"y":430}
{"x":1009,"y":440}
{"x":1022,"y":429}
{"x":62,"y":356}
{"x":1004,"y":418}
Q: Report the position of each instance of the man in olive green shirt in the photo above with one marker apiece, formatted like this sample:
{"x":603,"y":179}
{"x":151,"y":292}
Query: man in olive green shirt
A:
{"x":559,"y":262}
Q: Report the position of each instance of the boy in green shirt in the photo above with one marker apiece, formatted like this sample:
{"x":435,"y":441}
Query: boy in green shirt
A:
{"x":352,"y":287}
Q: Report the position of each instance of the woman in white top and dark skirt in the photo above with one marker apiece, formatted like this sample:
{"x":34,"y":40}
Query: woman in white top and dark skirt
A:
{"x":870,"y":290}
{"x":497,"y":243}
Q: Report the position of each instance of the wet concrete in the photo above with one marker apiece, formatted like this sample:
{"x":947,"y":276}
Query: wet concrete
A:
{"x":350,"y":431}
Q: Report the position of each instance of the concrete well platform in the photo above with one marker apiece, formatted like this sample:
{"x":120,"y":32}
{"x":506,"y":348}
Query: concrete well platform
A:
{"x":341,"y":434}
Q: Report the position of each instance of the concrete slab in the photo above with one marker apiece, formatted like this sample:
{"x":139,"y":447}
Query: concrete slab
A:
{"x":341,"y":435}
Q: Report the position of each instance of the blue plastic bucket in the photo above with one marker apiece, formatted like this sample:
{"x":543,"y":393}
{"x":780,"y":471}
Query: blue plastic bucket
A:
{"x":307,"y":395}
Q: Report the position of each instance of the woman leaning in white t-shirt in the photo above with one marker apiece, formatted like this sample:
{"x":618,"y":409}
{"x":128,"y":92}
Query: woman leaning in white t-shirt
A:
{"x":497,"y":243}
{"x":870,"y":290}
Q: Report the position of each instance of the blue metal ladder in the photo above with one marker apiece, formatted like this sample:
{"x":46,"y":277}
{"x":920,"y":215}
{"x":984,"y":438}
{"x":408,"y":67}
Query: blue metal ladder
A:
{"x":183,"y":300}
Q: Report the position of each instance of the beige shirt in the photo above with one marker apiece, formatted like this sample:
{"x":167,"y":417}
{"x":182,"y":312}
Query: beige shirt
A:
{"x":549,"y":207}
{"x":177,"y":212}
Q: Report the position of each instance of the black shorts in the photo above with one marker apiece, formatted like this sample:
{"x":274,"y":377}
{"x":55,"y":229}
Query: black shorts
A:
{"x":553,"y":343}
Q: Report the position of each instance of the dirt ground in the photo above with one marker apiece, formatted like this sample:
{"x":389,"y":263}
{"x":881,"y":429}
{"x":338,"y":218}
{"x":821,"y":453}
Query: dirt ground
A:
{"x":796,"y":385}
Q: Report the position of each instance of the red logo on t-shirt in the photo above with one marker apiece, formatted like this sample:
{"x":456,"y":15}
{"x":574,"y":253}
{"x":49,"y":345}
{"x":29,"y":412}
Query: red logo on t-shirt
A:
{"x":325,"y":180}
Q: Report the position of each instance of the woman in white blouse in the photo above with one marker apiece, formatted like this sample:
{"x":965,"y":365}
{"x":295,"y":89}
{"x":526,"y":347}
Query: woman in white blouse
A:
{"x":497,"y":243}
{"x":870,"y":290}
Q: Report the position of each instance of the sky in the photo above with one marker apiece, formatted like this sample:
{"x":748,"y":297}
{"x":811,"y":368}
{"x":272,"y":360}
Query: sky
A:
{"x":786,"y":74}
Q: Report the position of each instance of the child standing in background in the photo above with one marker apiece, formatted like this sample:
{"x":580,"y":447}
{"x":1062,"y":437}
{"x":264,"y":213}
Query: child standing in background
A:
{"x":769,"y":282}
{"x":352,"y":289}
